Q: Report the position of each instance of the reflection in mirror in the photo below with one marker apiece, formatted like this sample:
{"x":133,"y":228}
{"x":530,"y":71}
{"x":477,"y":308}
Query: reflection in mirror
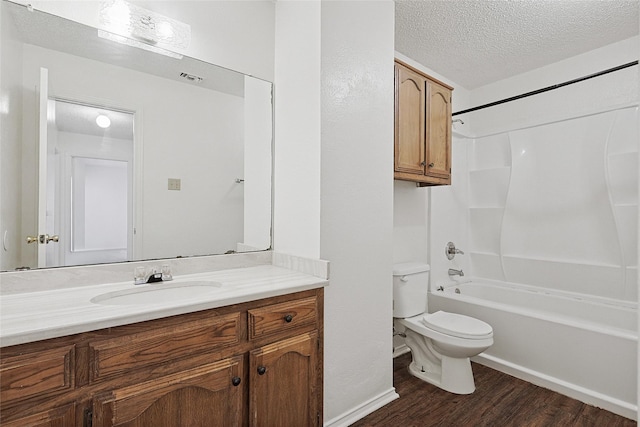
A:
{"x":113,"y":153}
{"x":90,"y":193}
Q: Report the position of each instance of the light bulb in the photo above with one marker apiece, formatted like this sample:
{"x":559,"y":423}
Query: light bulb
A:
{"x":103,"y":121}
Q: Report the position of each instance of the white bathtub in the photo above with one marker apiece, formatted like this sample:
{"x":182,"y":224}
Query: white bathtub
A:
{"x":582,"y":347}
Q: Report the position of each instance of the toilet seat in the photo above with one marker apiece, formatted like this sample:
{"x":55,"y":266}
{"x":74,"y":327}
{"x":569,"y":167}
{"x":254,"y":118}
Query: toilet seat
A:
{"x":457,"y":325}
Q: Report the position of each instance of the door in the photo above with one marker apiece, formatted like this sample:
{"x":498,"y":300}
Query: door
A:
{"x":72,"y":145}
{"x":410,"y":101}
{"x":94,"y":191}
{"x":283,"y":383}
{"x":42,"y":235}
{"x":438,"y":130}
{"x":208,"y":396}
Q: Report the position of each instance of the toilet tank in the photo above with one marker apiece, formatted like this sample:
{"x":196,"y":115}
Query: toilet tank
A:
{"x":410,"y":288}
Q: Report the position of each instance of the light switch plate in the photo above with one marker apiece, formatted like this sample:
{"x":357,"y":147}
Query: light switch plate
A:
{"x":174,"y":184}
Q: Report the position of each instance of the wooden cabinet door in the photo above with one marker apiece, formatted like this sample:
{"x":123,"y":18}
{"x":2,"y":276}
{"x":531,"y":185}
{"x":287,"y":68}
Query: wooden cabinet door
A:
{"x":207,"y":396}
{"x":283,"y":383}
{"x":409,"y":137}
{"x":438,"y":130}
{"x":60,"y":417}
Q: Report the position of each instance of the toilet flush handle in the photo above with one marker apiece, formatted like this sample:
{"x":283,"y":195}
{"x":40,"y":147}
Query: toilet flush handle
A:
{"x":404,"y":279}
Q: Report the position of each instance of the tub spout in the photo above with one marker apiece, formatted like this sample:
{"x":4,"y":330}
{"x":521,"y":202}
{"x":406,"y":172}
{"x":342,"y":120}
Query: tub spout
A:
{"x":454,"y":272}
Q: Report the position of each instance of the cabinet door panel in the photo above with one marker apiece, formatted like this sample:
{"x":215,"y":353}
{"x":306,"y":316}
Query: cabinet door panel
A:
{"x":438,"y":130}
{"x":203,"y":397}
{"x":283,"y":383}
{"x":59,"y":417}
{"x":410,"y":121}
{"x":37,"y":374}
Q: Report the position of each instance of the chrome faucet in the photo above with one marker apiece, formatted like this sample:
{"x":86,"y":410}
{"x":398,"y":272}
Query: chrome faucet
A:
{"x":454,"y":272}
{"x":451,"y":251}
{"x":143,"y":275}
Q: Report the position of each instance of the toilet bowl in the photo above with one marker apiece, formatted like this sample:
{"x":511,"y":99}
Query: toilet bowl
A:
{"x":441,"y":343}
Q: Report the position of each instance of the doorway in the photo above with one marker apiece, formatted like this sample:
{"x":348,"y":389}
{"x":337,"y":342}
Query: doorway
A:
{"x":90,"y":183}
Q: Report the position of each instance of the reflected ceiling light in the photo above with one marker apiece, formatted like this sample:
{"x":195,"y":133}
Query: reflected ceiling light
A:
{"x":138,"y":27}
{"x":103,"y":121}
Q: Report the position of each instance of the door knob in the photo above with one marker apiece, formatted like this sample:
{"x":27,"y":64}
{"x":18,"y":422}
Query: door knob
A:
{"x":43,"y":238}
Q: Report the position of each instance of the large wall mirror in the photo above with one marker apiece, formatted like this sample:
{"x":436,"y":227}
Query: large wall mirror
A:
{"x":113,"y":153}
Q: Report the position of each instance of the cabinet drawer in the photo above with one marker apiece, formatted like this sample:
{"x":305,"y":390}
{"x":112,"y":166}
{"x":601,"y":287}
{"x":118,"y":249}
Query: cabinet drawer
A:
{"x":117,"y":355}
{"x":282,"y":317}
{"x":37,"y":374}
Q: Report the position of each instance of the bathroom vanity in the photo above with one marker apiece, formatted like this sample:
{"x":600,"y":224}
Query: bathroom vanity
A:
{"x":253,"y":358}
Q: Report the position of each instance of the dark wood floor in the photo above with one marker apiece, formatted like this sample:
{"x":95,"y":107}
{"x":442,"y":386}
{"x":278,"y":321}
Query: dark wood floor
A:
{"x":499,"y":401}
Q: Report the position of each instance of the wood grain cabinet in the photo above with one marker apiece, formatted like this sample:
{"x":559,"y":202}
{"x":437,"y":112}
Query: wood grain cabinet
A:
{"x":257,"y":363}
{"x":422,"y":140}
{"x":207,"y":396}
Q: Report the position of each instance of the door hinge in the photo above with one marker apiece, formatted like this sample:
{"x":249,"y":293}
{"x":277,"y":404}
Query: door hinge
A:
{"x":318,"y":418}
{"x":88,"y":418}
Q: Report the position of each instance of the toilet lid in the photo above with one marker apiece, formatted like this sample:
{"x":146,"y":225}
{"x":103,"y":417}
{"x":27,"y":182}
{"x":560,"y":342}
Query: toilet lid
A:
{"x":457,"y":325}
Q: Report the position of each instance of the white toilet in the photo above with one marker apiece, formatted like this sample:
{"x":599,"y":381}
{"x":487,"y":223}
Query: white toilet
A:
{"x":441,"y":343}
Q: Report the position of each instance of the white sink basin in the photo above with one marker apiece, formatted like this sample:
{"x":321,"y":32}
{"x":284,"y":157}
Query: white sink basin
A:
{"x":158,"y":294}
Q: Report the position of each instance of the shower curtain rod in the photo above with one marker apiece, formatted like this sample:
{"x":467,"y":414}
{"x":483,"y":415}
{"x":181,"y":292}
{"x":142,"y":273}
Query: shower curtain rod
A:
{"x":548,"y":88}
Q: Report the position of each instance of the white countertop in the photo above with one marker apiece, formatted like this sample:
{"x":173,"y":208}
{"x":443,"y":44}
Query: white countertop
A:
{"x":33,"y":316}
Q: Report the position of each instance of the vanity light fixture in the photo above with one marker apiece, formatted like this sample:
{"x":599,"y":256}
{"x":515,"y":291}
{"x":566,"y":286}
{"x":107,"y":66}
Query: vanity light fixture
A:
{"x":103,"y":121}
{"x":135,"y":26}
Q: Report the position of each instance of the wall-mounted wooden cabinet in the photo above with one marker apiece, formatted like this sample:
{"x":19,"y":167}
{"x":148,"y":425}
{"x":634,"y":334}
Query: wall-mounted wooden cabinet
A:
{"x":250,"y":364}
{"x":422,"y":128}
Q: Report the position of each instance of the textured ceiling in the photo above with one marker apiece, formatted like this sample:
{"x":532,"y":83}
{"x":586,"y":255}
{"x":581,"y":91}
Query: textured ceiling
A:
{"x":476,"y":42}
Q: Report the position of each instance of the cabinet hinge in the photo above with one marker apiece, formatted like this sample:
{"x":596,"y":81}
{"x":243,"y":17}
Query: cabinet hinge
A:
{"x":88,"y":418}
{"x":319,"y":420}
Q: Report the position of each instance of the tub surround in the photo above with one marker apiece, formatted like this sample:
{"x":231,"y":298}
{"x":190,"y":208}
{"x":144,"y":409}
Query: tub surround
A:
{"x":42,"y":304}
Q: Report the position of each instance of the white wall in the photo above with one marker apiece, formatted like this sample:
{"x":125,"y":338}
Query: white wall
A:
{"x":356,"y":209}
{"x":297,"y":129}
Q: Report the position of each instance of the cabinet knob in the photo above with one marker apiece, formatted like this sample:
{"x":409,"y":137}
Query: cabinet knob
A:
{"x":261,"y":370}
{"x":236,"y":381}
{"x":288,"y":318}
{"x":423,"y":163}
{"x":431,"y":165}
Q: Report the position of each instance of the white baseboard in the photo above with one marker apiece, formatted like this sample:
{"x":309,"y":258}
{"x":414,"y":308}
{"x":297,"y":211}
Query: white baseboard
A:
{"x":400,"y":350}
{"x":574,"y":391}
{"x":363,"y":410}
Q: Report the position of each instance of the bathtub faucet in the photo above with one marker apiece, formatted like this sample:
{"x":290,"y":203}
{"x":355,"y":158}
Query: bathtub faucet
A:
{"x":454,"y":272}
